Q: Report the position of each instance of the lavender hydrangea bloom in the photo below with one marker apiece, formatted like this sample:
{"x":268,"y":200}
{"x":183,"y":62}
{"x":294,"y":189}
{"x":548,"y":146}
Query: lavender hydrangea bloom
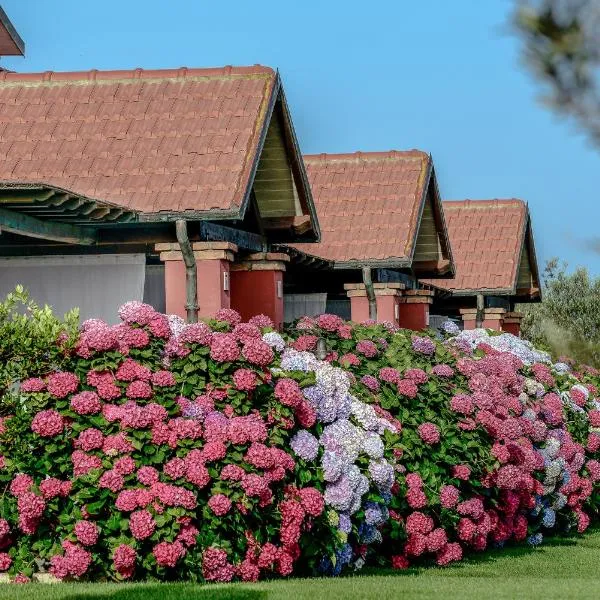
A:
{"x":373,"y":445}
{"x":333,"y":466}
{"x":352,"y":429}
{"x":339,"y":495}
{"x":505,"y":342}
{"x":560,"y":502}
{"x":273,"y":339}
{"x":194,"y":411}
{"x":450,"y":327}
{"x":345,"y":523}
{"x":549,"y":518}
{"x":382,"y":474}
{"x":373,"y":515}
{"x":305,"y":445}
{"x":176,"y":324}
{"x":365,"y":415}
{"x":424,"y":345}
{"x":292,"y":360}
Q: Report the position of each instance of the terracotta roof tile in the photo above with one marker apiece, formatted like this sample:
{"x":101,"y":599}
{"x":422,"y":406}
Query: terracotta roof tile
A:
{"x":487,"y":237}
{"x":368,"y":204}
{"x":166,"y":140}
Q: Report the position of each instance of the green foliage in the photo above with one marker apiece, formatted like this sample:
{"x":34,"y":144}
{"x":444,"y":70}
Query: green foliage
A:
{"x":567,"y":322}
{"x":28,"y":341}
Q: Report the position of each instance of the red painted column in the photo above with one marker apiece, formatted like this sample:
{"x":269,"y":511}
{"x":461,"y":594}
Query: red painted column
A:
{"x":257,"y":286}
{"x":492,"y":318}
{"x":512,"y":323}
{"x":414,"y":309}
{"x":386,"y":296}
{"x":212,"y":267}
{"x":469,"y":317}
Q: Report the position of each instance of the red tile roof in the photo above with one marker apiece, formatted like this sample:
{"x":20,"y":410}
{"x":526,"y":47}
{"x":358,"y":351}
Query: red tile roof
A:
{"x":369,"y":204}
{"x":166,"y":140}
{"x":487,"y":238}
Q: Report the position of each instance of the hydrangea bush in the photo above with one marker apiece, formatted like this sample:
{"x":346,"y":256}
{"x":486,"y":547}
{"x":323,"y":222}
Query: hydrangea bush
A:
{"x":496,"y":443}
{"x":225,"y":451}
{"x":205,"y":452}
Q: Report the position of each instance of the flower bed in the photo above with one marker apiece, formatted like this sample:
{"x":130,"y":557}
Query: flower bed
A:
{"x":191,"y":452}
{"x":222,"y":450}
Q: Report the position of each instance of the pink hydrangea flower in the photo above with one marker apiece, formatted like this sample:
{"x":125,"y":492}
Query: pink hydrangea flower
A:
{"x":139,"y":389}
{"x":20,"y":484}
{"x":86,"y":532}
{"x":258,"y":352}
{"x":228,"y":315}
{"x":130,"y":370}
{"x":390,"y":375}
{"x":262,"y":321}
{"x":288,"y":392}
{"x":245,"y":380}
{"x":124,"y":558}
{"x":163,"y":379}
{"x":408,"y":388}
{"x":445,"y":371}
{"x":60,"y":385}
{"x":224,"y":347}
{"x":112,"y":480}
{"x":349,"y":359}
{"x":86,"y":403}
{"x":48,"y":423}
{"x":5,"y":561}
{"x":366,"y":348}
{"x":167,"y":554}
{"x":329,"y":322}
{"x":219,"y":504}
{"x":461,"y":472}
{"x":449,"y":496}
{"x":147,"y":475}
{"x":33,"y":384}
{"x":124,"y":465}
{"x":83,"y":463}
{"x":141,"y":524}
{"x":53,"y":488}
{"x":305,"y":343}
{"x":417,"y":375}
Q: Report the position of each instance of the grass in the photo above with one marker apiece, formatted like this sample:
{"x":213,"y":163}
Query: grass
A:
{"x":561,"y":568}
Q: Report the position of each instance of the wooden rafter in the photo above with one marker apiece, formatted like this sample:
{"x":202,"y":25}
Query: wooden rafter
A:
{"x":22,"y":224}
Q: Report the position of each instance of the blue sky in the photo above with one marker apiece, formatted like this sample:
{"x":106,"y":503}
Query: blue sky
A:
{"x":442,"y":76}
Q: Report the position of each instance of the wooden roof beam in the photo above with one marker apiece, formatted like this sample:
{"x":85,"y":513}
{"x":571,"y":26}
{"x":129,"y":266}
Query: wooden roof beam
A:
{"x":21,"y":224}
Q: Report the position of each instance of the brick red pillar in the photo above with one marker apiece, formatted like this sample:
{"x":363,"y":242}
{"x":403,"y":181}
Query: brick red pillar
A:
{"x":512,"y":323}
{"x":386,"y":296}
{"x":469,"y":317}
{"x":212,"y":266}
{"x":492,"y":318}
{"x":257,"y":286}
{"x":414,"y":309}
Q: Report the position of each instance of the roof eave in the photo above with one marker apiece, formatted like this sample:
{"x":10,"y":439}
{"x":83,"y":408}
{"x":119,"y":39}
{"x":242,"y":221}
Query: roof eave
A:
{"x":384,"y":263}
{"x":11,"y":32}
{"x":430,"y":179}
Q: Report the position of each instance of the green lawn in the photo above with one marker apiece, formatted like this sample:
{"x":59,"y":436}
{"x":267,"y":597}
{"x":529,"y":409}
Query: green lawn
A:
{"x":562,"y":568}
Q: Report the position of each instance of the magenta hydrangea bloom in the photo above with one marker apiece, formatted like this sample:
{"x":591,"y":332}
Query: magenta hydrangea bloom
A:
{"x":48,"y":423}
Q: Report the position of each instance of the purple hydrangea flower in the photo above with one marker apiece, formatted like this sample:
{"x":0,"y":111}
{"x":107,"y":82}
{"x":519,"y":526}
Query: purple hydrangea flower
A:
{"x":305,"y":445}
